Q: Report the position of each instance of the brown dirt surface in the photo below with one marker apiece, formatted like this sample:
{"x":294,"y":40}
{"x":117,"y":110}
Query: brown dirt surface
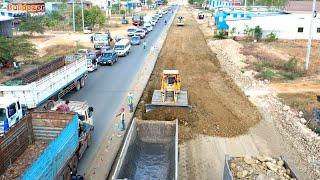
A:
{"x":24,"y":161}
{"x":219,"y":106}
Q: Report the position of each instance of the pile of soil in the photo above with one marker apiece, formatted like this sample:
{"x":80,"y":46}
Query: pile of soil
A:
{"x":219,"y":106}
{"x":24,"y":161}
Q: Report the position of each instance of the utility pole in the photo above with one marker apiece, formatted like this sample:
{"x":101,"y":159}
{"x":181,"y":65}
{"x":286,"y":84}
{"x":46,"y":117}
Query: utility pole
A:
{"x":313,"y":15}
{"x":82,"y":15}
{"x":73,"y":18}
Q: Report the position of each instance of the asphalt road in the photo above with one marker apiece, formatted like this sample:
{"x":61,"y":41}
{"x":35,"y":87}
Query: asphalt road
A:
{"x":106,"y":88}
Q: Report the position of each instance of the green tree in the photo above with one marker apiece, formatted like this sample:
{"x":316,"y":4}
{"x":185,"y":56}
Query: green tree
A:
{"x":94,"y":16}
{"x":19,"y":46}
{"x":149,"y":2}
{"x":53,"y":19}
{"x":33,"y":24}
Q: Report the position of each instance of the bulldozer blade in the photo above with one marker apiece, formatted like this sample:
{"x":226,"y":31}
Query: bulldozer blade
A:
{"x":156,"y":101}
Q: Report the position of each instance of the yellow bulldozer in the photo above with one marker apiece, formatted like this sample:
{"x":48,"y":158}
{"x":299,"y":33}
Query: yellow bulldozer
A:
{"x":170,"y":93}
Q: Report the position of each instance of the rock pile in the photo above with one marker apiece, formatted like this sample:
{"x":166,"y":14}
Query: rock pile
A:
{"x":290,"y":124}
{"x":259,"y":168}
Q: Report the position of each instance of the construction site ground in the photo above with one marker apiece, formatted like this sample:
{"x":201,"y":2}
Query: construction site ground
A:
{"x":224,"y":119}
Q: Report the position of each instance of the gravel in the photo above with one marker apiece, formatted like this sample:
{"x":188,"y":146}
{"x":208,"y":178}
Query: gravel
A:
{"x":260,"y":167}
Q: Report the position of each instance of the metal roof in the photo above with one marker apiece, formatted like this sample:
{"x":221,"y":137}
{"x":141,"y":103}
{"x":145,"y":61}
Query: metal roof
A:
{"x":6,"y":18}
{"x":170,"y":71}
{"x":26,"y":1}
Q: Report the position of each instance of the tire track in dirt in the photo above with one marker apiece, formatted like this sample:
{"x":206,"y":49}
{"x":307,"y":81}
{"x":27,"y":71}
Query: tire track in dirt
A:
{"x":219,"y":106}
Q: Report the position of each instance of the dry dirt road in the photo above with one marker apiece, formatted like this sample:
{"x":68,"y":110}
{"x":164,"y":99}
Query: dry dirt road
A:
{"x":222,"y":121}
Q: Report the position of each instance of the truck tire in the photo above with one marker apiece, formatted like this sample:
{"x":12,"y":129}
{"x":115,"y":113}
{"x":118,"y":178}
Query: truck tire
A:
{"x":78,"y":86}
{"x":82,"y":82}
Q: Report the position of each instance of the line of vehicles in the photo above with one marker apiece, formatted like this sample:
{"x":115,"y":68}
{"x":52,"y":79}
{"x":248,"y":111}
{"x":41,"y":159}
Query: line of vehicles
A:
{"x":29,"y":110}
{"x":105,"y":55}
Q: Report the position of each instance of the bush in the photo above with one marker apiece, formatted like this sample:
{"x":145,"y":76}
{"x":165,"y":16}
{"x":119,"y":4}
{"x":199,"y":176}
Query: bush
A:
{"x":267,"y":74}
{"x":221,"y":34}
{"x":271,"y":37}
{"x":290,"y":75}
{"x":290,"y":65}
{"x":122,"y":11}
{"x":257,"y":33}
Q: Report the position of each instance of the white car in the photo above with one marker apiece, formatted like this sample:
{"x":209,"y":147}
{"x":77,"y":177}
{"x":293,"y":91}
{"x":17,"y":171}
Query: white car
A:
{"x":164,"y":12}
{"x":149,"y":27}
{"x":153,"y":23}
{"x":141,"y":33}
{"x":131,"y":31}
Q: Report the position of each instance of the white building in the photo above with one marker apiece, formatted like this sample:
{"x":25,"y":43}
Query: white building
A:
{"x":287,"y":26}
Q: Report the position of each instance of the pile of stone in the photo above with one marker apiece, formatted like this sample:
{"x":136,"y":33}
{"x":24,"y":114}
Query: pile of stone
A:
{"x":259,"y":168}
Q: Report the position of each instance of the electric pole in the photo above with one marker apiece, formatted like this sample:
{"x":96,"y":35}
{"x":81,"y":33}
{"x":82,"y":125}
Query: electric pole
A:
{"x":313,"y":15}
{"x":73,"y":18}
{"x":82,"y":15}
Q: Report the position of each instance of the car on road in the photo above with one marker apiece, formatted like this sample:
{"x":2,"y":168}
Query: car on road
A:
{"x":135,"y":40}
{"x":141,"y":33}
{"x":124,"y":21}
{"x":108,"y":58}
{"x":131,"y":31}
{"x":153,"y":22}
{"x":164,"y":12}
{"x":145,"y":30}
{"x":122,"y":47}
{"x":92,"y":62}
{"x":87,"y":30}
{"x":148,"y":26}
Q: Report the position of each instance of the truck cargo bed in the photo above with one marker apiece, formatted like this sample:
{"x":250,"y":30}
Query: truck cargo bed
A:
{"x":149,"y":152}
{"x":39,"y":145}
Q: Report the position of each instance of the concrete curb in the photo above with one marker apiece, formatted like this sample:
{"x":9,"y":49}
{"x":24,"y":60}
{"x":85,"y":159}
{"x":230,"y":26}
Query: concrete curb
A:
{"x":108,"y":150}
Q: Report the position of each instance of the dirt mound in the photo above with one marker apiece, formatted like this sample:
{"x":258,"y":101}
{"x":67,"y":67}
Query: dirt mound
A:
{"x":219,"y":107}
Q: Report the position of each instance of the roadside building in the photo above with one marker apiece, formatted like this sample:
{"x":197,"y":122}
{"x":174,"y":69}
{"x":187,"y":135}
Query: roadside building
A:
{"x":214,"y":4}
{"x":86,"y":4}
{"x":52,"y":6}
{"x":284,"y":25}
{"x":300,"y":6}
{"x":6,"y":26}
{"x":34,"y":7}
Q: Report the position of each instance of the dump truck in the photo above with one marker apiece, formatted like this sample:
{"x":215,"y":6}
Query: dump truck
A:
{"x":150,"y":151}
{"x":44,"y":145}
{"x":102,"y":40}
{"x":49,"y":81}
{"x":268,"y":168}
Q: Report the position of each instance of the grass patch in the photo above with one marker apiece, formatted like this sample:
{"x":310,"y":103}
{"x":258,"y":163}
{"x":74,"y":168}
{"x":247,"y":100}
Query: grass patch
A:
{"x":269,"y":67}
{"x":301,"y":102}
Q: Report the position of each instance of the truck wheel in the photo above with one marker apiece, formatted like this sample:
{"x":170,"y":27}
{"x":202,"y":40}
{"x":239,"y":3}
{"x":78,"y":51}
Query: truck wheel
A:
{"x":82,"y":82}
{"x":78,"y":86}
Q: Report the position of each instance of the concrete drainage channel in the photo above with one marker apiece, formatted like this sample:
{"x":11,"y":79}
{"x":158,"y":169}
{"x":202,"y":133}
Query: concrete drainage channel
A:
{"x":150,"y":151}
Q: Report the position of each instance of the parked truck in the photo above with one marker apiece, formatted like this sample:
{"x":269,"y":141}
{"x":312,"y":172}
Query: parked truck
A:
{"x":101,"y":40}
{"x":49,"y":81}
{"x":46,"y":144}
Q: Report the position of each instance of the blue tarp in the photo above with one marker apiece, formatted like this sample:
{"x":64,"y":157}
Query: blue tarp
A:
{"x":52,"y":159}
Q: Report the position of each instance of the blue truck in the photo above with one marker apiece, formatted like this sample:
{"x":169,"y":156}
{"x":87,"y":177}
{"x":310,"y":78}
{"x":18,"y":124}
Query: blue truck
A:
{"x":44,"y":145}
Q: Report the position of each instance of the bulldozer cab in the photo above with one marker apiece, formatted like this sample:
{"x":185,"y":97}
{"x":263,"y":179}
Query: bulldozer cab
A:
{"x":170,"y":94}
{"x":170,"y":80}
